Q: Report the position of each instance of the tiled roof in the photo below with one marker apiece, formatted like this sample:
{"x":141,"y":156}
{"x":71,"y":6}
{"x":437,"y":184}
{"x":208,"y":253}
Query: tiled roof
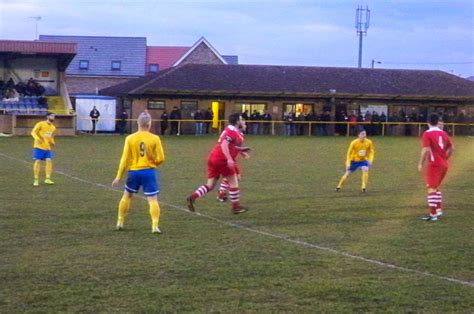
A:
{"x":165,"y":57}
{"x":231,"y":59}
{"x":298,"y":80}
{"x":41,"y":47}
{"x":101,"y":51}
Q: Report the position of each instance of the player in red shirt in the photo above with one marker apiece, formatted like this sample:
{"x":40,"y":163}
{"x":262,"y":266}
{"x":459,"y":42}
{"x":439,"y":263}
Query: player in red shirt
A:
{"x":224,"y":185}
{"x":437,"y":148}
{"x":222,"y":162}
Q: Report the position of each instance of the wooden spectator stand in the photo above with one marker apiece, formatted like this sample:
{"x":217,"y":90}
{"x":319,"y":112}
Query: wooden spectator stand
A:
{"x":23,"y":124}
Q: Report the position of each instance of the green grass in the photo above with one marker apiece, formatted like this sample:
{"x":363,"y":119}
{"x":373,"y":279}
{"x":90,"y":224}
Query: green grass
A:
{"x":59,"y":250}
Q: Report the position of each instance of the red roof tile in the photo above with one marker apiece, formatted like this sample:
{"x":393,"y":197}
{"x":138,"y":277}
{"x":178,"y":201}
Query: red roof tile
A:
{"x":164,"y":56}
{"x":23,"y":46}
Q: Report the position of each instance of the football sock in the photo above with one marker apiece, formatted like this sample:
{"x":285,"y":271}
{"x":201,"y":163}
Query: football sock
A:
{"x":365,"y":179}
{"x":342,"y":181}
{"x":36,"y":169}
{"x":224,"y":187}
{"x":49,"y":168}
{"x":123,"y":208}
{"x":200,"y":192}
{"x":154,"y":213}
{"x":234,"y":195}
{"x":432,"y":202}
{"x":439,"y":200}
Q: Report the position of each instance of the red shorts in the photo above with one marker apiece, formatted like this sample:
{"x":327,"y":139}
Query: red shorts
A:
{"x":435,"y":175}
{"x":215,"y":169}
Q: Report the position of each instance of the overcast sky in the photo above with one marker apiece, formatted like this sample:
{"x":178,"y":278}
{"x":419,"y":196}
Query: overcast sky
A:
{"x":412,"y":34}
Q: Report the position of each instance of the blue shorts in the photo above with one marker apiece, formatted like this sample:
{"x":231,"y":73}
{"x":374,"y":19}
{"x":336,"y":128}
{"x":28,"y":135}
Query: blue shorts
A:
{"x":146,"y":178}
{"x":42,"y":154}
{"x":357,"y":164}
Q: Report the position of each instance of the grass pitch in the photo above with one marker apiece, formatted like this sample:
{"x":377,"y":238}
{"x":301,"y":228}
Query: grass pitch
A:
{"x":59,"y":250}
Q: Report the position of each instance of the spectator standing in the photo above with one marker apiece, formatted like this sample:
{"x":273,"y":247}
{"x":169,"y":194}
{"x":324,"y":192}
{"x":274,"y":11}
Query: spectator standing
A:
{"x":325,"y":117}
{"x":164,"y":122}
{"x":255,"y":117}
{"x":266,"y":125}
{"x":175,"y":116}
{"x":208,"y":116}
{"x":123,"y":122}
{"x":94,"y":114}
{"x":198,"y":117}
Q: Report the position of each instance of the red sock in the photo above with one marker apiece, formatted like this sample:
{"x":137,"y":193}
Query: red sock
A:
{"x":224,"y":187}
{"x":234,"y":195}
{"x":432,"y":202}
{"x":200,"y":192}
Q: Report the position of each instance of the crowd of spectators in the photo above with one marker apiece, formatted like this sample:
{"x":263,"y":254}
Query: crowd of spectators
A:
{"x":9,"y":91}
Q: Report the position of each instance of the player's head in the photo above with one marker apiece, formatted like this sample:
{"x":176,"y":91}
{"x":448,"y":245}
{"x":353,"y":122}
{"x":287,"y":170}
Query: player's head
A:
{"x":50,"y":116}
{"x":361,"y":133}
{"x":144,"y":120}
{"x":235,"y":119}
{"x":433,"y":119}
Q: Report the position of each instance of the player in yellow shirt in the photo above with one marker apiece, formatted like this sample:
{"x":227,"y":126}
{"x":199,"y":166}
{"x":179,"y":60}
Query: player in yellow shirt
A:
{"x":359,"y":155}
{"x":43,"y":134}
{"x":142,"y":154}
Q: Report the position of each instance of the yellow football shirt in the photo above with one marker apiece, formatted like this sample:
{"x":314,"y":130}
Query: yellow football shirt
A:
{"x":43,"y":133}
{"x":142,"y":150}
{"x":360,"y":151}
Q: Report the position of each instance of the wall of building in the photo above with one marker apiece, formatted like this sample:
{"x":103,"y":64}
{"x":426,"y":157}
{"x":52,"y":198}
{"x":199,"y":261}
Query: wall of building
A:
{"x":43,"y":70}
{"x":90,"y":85}
{"x":202,"y":55}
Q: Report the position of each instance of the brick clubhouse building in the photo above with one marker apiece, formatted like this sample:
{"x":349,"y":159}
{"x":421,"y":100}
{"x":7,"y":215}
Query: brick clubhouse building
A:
{"x":298,"y":89}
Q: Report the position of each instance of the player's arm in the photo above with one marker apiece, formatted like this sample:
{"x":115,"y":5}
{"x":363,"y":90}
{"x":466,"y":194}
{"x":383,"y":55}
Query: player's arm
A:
{"x":425,"y":151}
{"x":349,"y":154}
{"x":36,"y":133}
{"x":450,"y":149}
{"x":160,"y":155}
{"x":225,"y":151}
{"x":123,"y":162}
{"x":371,"y":153}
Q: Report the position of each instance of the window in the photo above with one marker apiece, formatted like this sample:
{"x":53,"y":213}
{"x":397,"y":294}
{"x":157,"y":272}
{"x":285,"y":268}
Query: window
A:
{"x":116,"y":65}
{"x":127,"y":103}
{"x":84,"y":64}
{"x":153,"y":68}
{"x":156,"y":104}
{"x":298,"y":108}
{"x":250,"y":107}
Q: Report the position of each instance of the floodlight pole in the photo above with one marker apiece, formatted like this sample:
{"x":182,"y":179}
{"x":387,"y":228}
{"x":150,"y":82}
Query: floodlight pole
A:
{"x":362,"y":24}
{"x":37,"y":19}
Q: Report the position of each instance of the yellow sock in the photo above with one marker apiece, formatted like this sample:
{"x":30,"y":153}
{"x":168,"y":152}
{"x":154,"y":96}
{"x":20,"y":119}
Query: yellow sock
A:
{"x":123,"y":208}
{"x":36,"y":169}
{"x":365,"y":179}
{"x":49,"y":168}
{"x":341,"y":182}
{"x":154,"y":213}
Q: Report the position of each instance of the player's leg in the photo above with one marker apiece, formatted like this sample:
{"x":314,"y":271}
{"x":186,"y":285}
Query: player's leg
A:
{"x":201,"y":191}
{"x":434,"y":176}
{"x":49,"y":170}
{"x":155,"y":212}
{"x":37,"y":156}
{"x":365,"y":177}
{"x":123,"y":208}
{"x":151,"y":190}
{"x":36,"y":172}
{"x":223,"y":190}
{"x":343,"y":179}
{"x":234,"y":194}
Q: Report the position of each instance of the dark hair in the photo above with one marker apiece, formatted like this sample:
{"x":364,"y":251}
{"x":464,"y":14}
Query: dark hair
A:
{"x":50,"y":113}
{"x":360,"y":129}
{"x":233,"y":118}
{"x":433,"y":119}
